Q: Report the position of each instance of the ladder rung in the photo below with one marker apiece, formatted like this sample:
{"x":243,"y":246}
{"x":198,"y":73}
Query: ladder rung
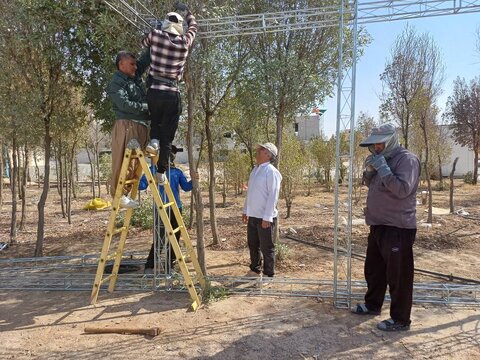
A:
{"x":104,"y":280}
{"x":133,"y":181}
{"x":110,"y":257}
{"x":119,"y":230}
{"x":166,"y":205}
{"x":177,"y":229}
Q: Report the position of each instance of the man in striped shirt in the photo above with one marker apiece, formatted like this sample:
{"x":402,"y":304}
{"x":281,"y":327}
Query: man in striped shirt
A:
{"x":169,"y":48}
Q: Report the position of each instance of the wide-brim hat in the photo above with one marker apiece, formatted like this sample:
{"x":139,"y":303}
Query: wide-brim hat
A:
{"x":379,"y":135}
{"x":270,"y":147}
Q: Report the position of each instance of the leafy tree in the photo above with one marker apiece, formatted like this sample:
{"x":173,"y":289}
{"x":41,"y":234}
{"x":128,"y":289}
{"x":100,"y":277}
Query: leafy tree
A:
{"x":323,"y":154}
{"x":36,"y":39}
{"x":291,"y":168}
{"x":463,"y":110}
{"x":365,"y":124}
{"x":412,"y":68}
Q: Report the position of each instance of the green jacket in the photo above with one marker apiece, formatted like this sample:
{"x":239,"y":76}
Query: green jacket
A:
{"x":128,"y":95}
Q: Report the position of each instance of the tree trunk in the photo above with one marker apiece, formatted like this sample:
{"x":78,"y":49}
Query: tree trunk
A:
{"x":19,"y":173}
{"x":77,"y":181}
{"x":211,"y":185}
{"x":427,"y":172}
{"x":37,"y":169}
{"x":440,"y":175}
{"x":23,"y":189}
{"x":280,"y":120}
{"x":60,"y":179}
{"x":97,"y":163}
{"x":475,"y":167}
{"x":46,"y":187}
{"x":224,"y":188}
{"x":191,"y":162}
{"x":192,"y":203}
{"x":451,"y":185}
{"x":1,"y":174}
{"x":92,"y":171}
{"x":13,"y":188}
{"x":68,"y":188}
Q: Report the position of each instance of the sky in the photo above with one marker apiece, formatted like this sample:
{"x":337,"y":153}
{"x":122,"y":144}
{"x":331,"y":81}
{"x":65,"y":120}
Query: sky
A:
{"x":454,"y":36}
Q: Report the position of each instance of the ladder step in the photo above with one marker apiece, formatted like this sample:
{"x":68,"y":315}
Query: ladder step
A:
{"x":105,"y":279}
{"x":119,"y":230}
{"x":133,"y":181}
{"x":167,"y":205}
{"x":177,"y":229}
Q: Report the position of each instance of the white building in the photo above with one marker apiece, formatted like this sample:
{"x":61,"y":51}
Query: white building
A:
{"x":309,"y":126}
{"x":465,"y":156}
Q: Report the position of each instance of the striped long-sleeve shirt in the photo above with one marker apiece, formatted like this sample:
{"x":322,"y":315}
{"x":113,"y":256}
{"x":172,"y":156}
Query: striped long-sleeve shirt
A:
{"x":169,"y":53}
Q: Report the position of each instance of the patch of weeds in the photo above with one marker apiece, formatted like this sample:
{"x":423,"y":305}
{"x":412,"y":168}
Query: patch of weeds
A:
{"x":282,"y":252}
{"x":214,"y":293}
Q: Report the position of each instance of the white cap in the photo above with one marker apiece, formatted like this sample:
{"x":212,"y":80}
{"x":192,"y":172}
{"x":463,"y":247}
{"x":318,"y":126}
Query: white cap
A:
{"x":270,"y":147}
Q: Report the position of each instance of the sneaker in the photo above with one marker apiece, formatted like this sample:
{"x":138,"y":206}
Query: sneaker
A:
{"x":127,"y":203}
{"x":152,"y":147}
{"x":392,"y":325}
{"x":161,"y":178}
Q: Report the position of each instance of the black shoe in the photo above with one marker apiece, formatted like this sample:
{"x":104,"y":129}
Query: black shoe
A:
{"x":392,"y":325}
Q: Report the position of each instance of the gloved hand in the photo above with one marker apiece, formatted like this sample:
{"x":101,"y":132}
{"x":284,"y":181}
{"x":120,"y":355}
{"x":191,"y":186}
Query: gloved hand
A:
{"x":181,"y":6}
{"x":368,"y":164}
{"x":380,"y":164}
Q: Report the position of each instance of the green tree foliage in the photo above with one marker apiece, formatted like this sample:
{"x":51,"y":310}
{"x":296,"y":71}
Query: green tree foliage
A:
{"x":292,"y":167}
{"x":463,"y":110}
{"x":323,"y":154}
{"x":237,"y":169}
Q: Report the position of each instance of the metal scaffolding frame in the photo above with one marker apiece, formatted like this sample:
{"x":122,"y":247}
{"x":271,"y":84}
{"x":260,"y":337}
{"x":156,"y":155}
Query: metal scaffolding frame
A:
{"x":348,"y":15}
{"x":77,"y":273}
{"x":137,"y":13}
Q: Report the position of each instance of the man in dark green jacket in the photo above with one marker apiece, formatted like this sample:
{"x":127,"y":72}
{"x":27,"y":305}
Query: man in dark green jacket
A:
{"x":129,"y":98}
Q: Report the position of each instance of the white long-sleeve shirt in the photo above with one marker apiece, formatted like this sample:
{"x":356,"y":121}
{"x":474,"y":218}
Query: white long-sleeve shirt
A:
{"x":262,"y":193}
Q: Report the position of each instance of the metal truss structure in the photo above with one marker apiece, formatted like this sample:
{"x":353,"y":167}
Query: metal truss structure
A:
{"x":138,"y":14}
{"x":347,"y":16}
{"x":77,"y":273}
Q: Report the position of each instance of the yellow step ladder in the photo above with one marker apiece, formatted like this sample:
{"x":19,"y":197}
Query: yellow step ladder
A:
{"x":133,"y":152}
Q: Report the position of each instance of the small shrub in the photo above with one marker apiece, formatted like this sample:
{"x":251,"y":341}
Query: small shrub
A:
{"x":440,"y":186}
{"x":468,"y":178}
{"x":186,"y":215}
{"x":282,"y":252}
{"x":214,"y":293}
{"x":142,"y":216}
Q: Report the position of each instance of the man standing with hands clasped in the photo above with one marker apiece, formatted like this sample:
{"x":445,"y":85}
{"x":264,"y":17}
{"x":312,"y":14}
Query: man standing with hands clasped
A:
{"x":260,"y":210}
{"x":392,"y":175}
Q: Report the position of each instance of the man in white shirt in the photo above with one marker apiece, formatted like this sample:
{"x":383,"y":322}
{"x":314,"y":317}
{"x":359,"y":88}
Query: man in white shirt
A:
{"x":260,"y":210}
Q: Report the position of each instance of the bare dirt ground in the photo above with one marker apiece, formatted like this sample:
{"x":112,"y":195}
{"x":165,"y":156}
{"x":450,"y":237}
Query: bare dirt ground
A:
{"x":50,"y":325}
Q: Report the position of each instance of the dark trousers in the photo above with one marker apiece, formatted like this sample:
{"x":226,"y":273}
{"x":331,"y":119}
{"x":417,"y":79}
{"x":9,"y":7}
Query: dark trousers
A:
{"x":260,"y":242}
{"x":160,"y":244}
{"x":165,"y":109}
{"x":390,"y":262}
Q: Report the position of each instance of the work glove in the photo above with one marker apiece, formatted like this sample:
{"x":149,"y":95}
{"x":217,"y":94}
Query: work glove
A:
{"x":380,"y":164}
{"x":181,"y":6}
{"x":368,"y":164}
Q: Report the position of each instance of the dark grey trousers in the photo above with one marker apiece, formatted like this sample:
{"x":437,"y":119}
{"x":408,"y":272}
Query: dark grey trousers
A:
{"x":390,"y":262}
{"x":260,"y":242}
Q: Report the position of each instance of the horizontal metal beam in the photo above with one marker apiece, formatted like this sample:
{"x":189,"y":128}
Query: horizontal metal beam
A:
{"x":137,"y":13}
{"x":74,"y":280}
